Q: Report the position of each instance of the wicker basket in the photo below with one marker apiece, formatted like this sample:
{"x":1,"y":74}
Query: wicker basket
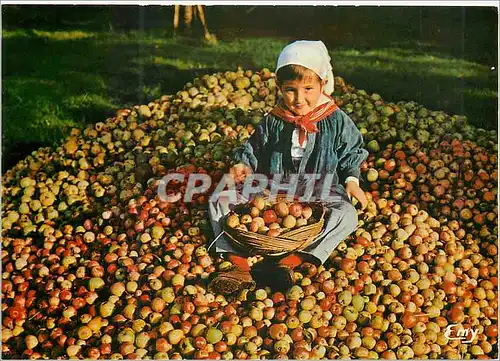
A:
{"x":289,"y":241}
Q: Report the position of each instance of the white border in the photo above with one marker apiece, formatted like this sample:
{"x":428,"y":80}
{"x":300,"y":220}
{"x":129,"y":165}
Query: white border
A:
{"x":261,"y":2}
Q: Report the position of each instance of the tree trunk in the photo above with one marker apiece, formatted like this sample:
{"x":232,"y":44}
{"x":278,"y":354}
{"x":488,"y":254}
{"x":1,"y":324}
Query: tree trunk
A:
{"x":188,"y":19}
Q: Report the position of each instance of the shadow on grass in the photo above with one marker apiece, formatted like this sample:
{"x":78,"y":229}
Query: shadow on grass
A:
{"x":55,"y":80}
{"x":437,"y":82}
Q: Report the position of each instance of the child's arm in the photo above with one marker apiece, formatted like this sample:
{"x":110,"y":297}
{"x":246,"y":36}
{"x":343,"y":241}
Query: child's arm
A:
{"x":354,"y":190}
{"x":351,"y":154}
{"x":240,"y":171}
{"x":251,"y":154}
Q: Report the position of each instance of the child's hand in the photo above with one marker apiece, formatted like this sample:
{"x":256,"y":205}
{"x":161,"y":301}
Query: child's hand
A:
{"x":353,"y":190}
{"x":239,"y":172}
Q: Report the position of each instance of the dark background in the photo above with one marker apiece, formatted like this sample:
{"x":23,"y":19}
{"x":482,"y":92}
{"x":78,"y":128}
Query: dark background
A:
{"x":467,"y":32}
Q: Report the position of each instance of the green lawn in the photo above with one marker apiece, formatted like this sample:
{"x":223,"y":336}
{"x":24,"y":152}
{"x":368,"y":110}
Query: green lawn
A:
{"x":55,"y":79}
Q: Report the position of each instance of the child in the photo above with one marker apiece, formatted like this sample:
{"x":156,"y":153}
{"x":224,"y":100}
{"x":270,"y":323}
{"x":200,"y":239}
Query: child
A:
{"x":306,"y":133}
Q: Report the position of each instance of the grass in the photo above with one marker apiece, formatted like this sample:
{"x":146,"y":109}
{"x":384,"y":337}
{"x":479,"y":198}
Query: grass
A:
{"x":58,"y":78}
{"x":93,"y":74}
{"x":432,"y":79}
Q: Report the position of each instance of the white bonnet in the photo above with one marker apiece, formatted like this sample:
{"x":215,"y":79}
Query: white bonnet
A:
{"x":312,"y":55}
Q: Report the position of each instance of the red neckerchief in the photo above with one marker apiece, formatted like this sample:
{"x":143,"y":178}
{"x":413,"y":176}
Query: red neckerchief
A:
{"x":305,"y":123}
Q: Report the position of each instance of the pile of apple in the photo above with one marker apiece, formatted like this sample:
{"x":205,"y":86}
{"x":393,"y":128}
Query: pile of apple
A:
{"x":272,"y":219}
{"x":95,"y":265}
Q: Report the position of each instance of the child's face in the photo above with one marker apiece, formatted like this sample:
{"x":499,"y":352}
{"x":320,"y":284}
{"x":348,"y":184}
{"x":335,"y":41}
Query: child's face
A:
{"x":302,"y":96}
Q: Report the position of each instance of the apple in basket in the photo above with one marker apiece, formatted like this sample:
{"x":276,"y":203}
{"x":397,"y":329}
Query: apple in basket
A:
{"x":295,"y":210}
{"x":289,"y":222}
{"x":307,"y":212}
{"x":274,"y":229}
{"x":256,"y":224}
{"x":281,"y":209}
{"x":259,"y":203}
{"x":246,"y":219}
{"x":254,"y":212}
{"x":270,"y":216}
{"x":272,"y":220}
{"x":275,"y":225}
{"x":301,"y":222}
{"x":274,"y":232}
{"x":233,"y":221}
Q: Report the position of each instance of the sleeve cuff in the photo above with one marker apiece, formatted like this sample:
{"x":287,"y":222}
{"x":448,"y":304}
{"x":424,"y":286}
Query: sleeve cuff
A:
{"x":352,"y":179}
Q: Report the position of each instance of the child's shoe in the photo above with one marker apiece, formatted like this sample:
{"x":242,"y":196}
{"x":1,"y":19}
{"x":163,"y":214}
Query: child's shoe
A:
{"x":233,"y":280}
{"x":270,"y":273}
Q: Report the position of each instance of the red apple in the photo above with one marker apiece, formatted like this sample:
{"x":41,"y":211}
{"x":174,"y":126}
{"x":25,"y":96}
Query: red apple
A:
{"x":270,"y":216}
{"x":295,"y":210}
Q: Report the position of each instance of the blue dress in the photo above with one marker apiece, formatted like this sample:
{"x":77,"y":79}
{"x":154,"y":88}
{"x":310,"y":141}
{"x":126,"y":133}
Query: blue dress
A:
{"x":335,"y":150}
